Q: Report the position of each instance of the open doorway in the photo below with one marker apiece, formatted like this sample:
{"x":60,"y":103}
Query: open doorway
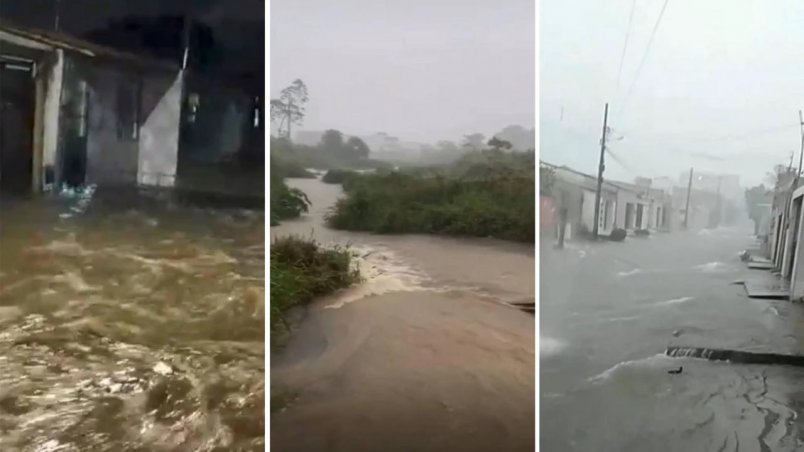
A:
{"x":17,"y":107}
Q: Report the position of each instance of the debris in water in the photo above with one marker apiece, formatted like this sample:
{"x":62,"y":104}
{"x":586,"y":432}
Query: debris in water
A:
{"x":675,"y":371}
{"x":163,"y":369}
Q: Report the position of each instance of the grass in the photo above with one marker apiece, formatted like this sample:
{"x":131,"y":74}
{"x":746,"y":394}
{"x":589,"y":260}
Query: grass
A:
{"x":301,"y":270}
{"x":484,"y":194}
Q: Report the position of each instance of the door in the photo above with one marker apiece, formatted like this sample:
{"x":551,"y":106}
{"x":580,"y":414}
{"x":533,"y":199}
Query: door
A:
{"x":17,"y":107}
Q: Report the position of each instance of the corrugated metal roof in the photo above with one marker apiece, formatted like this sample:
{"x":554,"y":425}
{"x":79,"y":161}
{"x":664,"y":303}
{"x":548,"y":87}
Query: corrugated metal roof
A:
{"x":82,"y":47}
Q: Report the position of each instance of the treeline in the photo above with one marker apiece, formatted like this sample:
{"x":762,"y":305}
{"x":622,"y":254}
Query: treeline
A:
{"x":334,"y":151}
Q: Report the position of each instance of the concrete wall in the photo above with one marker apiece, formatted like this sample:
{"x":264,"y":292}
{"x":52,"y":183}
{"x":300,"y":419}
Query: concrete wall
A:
{"x":111,"y":159}
{"x":797,"y":277}
{"x":50,"y":120}
{"x":159,"y":134}
{"x":218,"y":131}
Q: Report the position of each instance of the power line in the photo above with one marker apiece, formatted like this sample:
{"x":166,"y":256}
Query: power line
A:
{"x":644,"y":58}
{"x":750,"y":134}
{"x":625,"y":45}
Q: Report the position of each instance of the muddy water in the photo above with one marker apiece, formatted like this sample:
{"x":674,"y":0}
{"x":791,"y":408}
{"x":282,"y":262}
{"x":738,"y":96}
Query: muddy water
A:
{"x":424,"y":355}
{"x":130,"y":325}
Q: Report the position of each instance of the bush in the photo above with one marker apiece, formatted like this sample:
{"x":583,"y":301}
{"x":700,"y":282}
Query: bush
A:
{"x":489,"y":196}
{"x":286,"y":202}
{"x":338,"y":176}
{"x":301,"y":271}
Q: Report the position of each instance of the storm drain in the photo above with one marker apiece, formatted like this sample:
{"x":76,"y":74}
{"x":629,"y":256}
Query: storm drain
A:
{"x":735,"y":356}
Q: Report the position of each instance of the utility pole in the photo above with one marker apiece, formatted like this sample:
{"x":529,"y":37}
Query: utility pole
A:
{"x":719,"y":216}
{"x":687,"y":208}
{"x":801,"y":153}
{"x":600,"y":168}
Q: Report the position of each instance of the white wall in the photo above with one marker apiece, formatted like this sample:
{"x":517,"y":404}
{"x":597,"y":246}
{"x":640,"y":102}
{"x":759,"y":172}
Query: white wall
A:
{"x":797,"y":279}
{"x":159,"y":134}
{"x":50,"y":129}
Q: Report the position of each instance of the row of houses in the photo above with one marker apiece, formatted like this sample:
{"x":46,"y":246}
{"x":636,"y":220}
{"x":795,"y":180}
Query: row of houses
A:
{"x":643,"y":206}
{"x":634,"y":207}
{"x":780,"y":232}
{"x":76,"y":113}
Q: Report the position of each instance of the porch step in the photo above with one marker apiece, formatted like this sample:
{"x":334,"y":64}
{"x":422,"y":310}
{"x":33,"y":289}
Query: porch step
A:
{"x":767,"y":289}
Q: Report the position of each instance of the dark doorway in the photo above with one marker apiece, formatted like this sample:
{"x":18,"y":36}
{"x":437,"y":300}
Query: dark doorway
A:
{"x":74,"y":129}
{"x":17,"y":107}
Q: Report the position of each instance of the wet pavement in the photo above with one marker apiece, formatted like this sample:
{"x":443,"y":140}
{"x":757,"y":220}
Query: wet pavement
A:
{"x":427,"y":354}
{"x":130,"y":324}
{"x":608,"y":313}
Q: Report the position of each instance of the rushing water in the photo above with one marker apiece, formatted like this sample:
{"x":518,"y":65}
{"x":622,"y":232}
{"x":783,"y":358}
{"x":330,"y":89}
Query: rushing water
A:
{"x":130,"y":324}
{"x":427,"y":354}
{"x":648,"y":345}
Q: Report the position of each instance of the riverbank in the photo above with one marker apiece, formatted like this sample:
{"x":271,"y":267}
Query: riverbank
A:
{"x":423,"y":354}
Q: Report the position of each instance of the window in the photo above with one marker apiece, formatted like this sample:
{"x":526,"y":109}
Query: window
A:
{"x":128,"y":110}
{"x":193,"y":103}
{"x":257,"y":112}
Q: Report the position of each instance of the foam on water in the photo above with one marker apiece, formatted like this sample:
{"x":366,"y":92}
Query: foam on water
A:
{"x":674,"y":301}
{"x":549,"y":346}
{"x":624,"y":274}
{"x":710,"y":267}
{"x":382,"y":272}
{"x":659,"y":360}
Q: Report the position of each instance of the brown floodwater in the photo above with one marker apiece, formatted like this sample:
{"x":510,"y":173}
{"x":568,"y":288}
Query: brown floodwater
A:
{"x":130,"y":324}
{"x":427,"y":354}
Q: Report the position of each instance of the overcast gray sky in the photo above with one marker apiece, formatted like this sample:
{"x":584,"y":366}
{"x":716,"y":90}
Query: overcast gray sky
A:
{"x":719,"y":76}
{"x":419,"y":69}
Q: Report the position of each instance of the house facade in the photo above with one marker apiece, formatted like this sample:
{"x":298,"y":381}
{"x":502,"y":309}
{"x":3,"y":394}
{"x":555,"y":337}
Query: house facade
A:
{"x":574,"y":195}
{"x":84,"y":114}
{"x":73,"y":113}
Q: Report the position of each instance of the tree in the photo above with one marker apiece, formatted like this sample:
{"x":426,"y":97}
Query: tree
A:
{"x":754,"y":198}
{"x":356,"y":149}
{"x":288,"y":109}
{"x":521,"y":139}
{"x":499,"y":145}
{"x":332,"y":141}
{"x":474,"y":141}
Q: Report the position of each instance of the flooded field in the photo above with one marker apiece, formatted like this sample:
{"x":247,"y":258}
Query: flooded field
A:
{"x":427,"y":354}
{"x":130,"y":324}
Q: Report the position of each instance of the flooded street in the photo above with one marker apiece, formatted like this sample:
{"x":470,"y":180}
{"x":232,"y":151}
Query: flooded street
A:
{"x":427,"y":354}
{"x":608,"y":313}
{"x":130,"y":324}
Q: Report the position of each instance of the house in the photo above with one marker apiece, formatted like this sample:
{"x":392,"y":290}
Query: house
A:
{"x":574,"y":193}
{"x":74,"y":113}
{"x":641,"y":207}
{"x":84,"y":114}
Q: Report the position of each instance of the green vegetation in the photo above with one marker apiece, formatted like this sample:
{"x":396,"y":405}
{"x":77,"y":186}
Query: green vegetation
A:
{"x":301,"y":271}
{"x":286,"y":202}
{"x":338,"y":176}
{"x":485,"y":193}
